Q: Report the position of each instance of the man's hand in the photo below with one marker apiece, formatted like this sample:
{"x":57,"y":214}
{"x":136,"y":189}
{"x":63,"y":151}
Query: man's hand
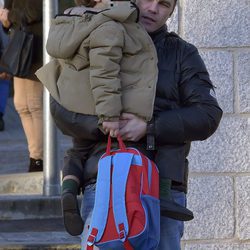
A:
{"x":111,"y":127}
{"x":132,"y":128}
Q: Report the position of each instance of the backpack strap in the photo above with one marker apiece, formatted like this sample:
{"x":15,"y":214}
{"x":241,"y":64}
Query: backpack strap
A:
{"x":121,"y":166}
{"x":102,"y":197}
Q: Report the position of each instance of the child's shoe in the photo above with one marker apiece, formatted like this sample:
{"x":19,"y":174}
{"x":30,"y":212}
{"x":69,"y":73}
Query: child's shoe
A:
{"x":71,"y":214}
{"x":173,"y":210}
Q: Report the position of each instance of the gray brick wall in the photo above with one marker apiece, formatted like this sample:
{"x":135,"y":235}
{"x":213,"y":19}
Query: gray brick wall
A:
{"x":219,"y":183}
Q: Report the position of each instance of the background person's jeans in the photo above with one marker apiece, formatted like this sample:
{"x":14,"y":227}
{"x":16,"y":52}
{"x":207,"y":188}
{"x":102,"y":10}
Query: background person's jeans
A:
{"x":171,"y":230}
{"x":4,"y":94}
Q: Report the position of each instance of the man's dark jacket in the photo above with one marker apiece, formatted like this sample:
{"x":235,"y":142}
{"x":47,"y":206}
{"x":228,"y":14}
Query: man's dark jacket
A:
{"x":185,"y":110}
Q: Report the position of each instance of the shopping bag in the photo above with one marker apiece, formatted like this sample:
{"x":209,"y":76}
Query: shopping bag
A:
{"x":17,"y":56}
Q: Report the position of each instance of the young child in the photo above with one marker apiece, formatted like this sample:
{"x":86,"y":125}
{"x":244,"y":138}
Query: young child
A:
{"x":105,"y":64}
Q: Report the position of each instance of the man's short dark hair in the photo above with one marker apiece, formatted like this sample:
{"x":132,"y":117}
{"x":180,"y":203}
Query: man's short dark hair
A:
{"x":174,"y":6}
{"x":175,"y":3}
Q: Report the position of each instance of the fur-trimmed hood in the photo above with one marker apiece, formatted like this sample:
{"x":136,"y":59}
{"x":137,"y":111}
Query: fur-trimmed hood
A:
{"x":67,"y":31}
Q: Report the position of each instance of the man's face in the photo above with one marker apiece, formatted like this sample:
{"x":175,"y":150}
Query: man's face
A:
{"x":154,"y":13}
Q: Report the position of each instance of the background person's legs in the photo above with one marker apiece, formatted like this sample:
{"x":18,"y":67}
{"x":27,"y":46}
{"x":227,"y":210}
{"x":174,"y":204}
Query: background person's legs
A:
{"x":28,"y":100}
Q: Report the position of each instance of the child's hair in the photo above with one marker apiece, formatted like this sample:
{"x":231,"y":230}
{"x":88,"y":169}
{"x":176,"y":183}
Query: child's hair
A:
{"x":86,"y":3}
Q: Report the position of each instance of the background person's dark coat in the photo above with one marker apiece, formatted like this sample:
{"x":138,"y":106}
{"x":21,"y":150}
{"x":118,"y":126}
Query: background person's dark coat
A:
{"x":29,"y":12}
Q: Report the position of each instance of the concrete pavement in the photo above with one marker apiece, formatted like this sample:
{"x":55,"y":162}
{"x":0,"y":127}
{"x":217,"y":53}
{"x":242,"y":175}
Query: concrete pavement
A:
{"x":33,"y":222}
{"x":36,"y":234}
{"x":28,"y":220}
{"x":13,"y":145}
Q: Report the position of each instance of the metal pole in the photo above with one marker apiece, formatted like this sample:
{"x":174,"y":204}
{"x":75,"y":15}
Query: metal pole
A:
{"x":51,"y":181}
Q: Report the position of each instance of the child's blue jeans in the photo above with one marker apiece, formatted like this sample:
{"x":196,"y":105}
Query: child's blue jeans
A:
{"x":171,"y":230}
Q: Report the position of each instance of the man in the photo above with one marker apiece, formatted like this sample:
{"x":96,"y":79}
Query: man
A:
{"x":185,"y":110}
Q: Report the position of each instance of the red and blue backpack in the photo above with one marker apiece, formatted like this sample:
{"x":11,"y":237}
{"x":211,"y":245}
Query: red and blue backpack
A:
{"x":126,"y":212}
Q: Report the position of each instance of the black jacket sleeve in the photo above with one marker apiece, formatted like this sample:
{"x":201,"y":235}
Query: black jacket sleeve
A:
{"x":198,"y":114}
{"x":8,"y":4}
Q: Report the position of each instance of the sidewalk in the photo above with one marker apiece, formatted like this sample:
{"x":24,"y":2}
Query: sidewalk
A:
{"x":13,"y":147}
{"x":27,"y":221}
{"x":14,"y":156}
{"x":33,"y":222}
{"x":36,"y":234}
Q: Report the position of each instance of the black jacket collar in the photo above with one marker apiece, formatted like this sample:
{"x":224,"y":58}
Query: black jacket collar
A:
{"x":159,"y":34}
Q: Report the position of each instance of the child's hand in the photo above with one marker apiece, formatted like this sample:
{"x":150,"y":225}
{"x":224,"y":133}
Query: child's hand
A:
{"x":111,"y":127}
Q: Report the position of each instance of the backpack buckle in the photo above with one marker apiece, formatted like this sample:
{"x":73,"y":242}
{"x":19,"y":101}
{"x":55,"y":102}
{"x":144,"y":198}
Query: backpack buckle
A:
{"x":122,"y":232}
{"x":92,"y":236}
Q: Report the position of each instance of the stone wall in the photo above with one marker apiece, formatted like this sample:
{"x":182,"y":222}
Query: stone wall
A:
{"x":219,"y":183}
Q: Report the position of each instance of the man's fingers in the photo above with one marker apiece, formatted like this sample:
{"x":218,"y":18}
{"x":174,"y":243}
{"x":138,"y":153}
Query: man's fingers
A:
{"x":122,"y":123}
{"x":122,"y":132}
{"x":127,"y":116}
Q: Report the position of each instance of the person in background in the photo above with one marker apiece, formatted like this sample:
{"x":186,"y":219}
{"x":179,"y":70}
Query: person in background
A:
{"x":185,"y":110}
{"x":4,"y":82}
{"x":4,"y":78}
{"x":28,"y":91}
